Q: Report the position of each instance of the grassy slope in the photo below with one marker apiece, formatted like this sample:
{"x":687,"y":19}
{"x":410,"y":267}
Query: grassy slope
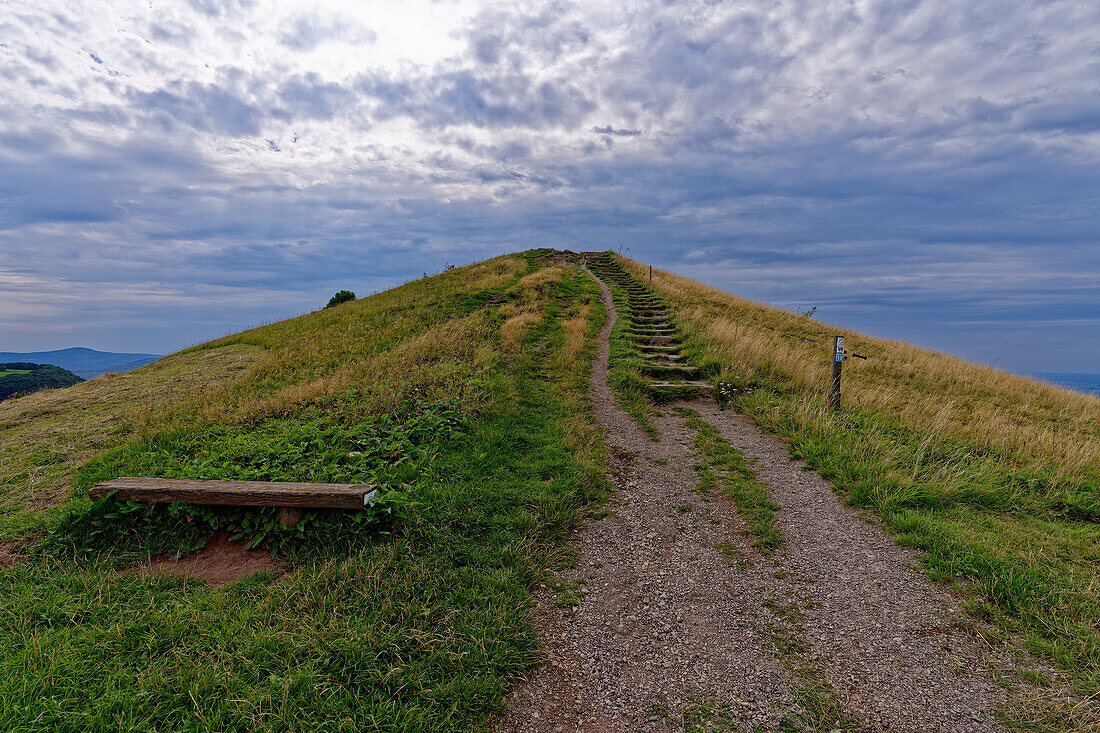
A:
{"x":414,"y":629}
{"x":426,"y":333}
{"x":995,"y":477}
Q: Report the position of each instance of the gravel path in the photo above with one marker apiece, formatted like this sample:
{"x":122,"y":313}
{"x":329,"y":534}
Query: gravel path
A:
{"x":894,"y":645}
{"x":665,"y":624}
{"x":667,"y":619}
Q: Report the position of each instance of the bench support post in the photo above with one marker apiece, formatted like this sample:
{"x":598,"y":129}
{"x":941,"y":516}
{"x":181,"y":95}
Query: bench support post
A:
{"x":289,"y":516}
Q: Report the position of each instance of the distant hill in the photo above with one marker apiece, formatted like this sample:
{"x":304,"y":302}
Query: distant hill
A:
{"x":86,"y":363}
{"x":20,"y":377}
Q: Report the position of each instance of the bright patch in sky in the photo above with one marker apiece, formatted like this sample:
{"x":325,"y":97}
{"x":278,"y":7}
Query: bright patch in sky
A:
{"x":171,"y":171}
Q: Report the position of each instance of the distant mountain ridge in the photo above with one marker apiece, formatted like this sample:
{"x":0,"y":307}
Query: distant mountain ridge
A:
{"x":86,"y":363}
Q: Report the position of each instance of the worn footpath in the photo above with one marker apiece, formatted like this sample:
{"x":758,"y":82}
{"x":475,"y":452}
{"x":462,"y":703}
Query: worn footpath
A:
{"x":668,"y":619}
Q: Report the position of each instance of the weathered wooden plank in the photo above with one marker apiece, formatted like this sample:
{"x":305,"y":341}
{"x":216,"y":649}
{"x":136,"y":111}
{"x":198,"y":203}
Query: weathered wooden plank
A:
{"x":236,"y":493}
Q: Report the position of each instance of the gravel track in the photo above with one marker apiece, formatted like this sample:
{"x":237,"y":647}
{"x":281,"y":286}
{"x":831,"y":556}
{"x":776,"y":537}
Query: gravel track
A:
{"x":896,"y":647}
{"x":665,"y":626}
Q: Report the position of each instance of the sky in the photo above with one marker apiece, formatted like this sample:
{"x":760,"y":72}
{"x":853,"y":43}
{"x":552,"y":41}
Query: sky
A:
{"x":171,"y":172}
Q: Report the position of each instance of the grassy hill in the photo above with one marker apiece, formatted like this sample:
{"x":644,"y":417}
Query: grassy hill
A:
{"x":465,"y":391}
{"x":18,"y":378}
{"x":466,"y":395}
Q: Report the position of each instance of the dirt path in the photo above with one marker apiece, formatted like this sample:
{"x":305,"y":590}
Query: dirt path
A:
{"x":666,"y":620}
{"x":894,"y":646}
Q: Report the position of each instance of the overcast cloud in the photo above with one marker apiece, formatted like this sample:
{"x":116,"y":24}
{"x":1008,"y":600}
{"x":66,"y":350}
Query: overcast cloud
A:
{"x":928,"y":171}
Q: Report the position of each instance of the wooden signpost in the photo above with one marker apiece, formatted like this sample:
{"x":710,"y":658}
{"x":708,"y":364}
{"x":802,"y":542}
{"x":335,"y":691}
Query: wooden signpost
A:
{"x":834,"y":383}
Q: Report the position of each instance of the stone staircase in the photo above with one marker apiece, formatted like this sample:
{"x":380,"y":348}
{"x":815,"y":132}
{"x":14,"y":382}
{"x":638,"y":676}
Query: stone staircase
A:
{"x":656,"y":338}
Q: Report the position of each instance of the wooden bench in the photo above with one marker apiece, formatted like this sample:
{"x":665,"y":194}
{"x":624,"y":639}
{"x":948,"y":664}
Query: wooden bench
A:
{"x":291,"y":498}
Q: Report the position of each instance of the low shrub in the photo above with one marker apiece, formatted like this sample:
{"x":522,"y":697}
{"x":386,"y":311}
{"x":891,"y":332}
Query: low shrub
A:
{"x":342,"y":296}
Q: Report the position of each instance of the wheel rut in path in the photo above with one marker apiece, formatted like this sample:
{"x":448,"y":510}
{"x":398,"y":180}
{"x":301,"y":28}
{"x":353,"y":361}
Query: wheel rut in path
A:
{"x":655,"y":624}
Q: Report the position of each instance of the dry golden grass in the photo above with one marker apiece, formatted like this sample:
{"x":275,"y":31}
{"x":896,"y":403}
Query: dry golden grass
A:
{"x":512,"y":330}
{"x":576,"y":337}
{"x":937,"y":394}
{"x":527,"y":309}
{"x":422,"y":362}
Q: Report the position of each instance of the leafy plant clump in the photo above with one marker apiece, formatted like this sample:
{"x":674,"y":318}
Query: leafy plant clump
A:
{"x":394,"y":451}
{"x":342,"y":296}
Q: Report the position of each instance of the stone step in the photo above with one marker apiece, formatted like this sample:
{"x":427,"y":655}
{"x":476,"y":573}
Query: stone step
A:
{"x":657,"y":340}
{"x":669,"y":391}
{"x":672,"y":370}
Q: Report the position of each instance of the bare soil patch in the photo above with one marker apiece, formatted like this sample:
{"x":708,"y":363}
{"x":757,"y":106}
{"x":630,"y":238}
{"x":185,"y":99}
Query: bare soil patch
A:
{"x":222,"y":561}
{"x":11,"y":552}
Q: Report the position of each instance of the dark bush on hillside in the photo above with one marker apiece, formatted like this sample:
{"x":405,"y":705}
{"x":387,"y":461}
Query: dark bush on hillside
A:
{"x":341,"y":297}
{"x":36,"y":377}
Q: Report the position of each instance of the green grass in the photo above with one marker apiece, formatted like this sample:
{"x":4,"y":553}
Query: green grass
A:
{"x":724,"y":468}
{"x":332,"y":445}
{"x":412,"y":624}
{"x":437,"y":338}
{"x":6,"y":372}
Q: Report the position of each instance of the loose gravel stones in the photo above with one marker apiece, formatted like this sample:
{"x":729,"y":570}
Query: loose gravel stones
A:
{"x":895,"y":646}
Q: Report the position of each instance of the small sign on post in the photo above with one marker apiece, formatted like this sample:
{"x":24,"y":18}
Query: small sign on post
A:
{"x":834,"y":383}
